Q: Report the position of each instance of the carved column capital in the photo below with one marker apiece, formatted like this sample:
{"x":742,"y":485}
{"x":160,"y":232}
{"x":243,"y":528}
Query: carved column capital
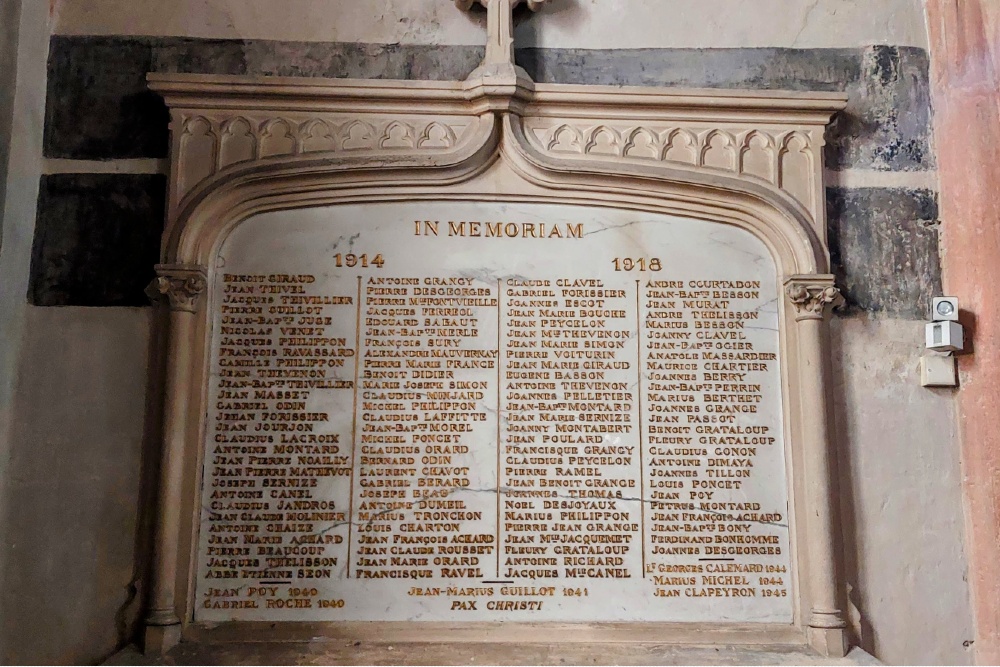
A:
{"x":813,"y":296}
{"x":182,"y":285}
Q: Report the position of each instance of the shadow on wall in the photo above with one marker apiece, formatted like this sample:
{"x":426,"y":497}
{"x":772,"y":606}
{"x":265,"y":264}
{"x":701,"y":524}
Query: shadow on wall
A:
{"x":861,"y":631}
{"x":129,"y":619}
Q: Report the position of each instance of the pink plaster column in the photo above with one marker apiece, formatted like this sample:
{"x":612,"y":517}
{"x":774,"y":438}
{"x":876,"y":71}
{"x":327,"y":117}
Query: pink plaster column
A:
{"x":965,"y":59}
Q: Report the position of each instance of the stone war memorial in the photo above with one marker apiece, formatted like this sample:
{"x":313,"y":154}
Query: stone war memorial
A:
{"x":499,"y":332}
{"x":495,"y":358}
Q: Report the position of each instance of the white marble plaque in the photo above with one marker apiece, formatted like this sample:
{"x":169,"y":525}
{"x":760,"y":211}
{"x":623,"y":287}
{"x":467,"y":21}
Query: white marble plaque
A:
{"x":454,"y":411}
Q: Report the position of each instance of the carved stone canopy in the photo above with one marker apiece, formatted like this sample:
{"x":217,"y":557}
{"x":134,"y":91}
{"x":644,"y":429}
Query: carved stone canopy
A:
{"x":764,"y":148}
{"x":243,"y":146}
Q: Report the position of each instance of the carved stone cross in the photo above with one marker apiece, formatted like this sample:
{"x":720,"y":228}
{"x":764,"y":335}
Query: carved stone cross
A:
{"x":499,"y":60}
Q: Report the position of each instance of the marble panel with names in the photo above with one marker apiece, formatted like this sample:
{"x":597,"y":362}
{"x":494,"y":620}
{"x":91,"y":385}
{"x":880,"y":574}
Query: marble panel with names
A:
{"x":462,"y":411}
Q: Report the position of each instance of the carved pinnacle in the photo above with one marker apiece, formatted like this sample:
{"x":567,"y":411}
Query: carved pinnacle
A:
{"x":466,"y":5}
{"x":499,"y":60}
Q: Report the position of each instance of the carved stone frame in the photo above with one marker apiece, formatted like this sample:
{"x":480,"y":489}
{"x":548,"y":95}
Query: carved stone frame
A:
{"x":243,"y":146}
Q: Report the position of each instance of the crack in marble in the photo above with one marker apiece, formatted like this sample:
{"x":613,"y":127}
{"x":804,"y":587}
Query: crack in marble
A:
{"x":609,"y":227}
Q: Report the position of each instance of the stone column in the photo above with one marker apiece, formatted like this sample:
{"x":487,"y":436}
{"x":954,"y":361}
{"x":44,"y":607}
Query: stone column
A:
{"x":813,"y":296}
{"x":183,"y":287}
{"x":965,"y":88}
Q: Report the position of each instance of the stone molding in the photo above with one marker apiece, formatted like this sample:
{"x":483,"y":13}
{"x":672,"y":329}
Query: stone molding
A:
{"x":767,"y":145}
{"x":182,"y":286}
{"x":813,"y":296}
{"x":779,"y":157}
{"x":209,"y":142}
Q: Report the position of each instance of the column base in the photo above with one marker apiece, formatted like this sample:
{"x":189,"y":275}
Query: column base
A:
{"x":158,"y":639}
{"x":829,"y":642}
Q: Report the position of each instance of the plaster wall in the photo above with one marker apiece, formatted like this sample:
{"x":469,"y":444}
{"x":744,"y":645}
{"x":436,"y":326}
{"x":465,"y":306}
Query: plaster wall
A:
{"x":901,"y":496}
{"x":77,"y":480}
{"x":10,"y":15}
{"x":84,"y":381}
{"x":624,"y":24}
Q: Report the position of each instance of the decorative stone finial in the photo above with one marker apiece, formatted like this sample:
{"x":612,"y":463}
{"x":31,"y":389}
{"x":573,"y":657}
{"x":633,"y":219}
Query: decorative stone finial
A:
{"x":498,"y":68}
{"x":813,"y":296}
{"x":533,"y":5}
{"x":182,"y":285}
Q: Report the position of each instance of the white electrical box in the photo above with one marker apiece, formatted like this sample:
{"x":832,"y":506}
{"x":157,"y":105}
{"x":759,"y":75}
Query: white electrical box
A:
{"x":946,"y":336}
{"x":938,"y":371}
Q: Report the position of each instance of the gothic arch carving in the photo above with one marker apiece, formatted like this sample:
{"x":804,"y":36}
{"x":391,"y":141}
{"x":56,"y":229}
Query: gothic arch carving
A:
{"x":441,"y":147}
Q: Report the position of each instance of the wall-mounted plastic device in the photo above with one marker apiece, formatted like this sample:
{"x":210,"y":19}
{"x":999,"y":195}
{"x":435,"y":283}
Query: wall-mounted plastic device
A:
{"x":944,"y":336}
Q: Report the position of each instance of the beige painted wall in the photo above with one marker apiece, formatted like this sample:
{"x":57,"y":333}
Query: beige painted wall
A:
{"x":567,"y":23}
{"x":901,"y":495}
{"x":75,"y":492}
